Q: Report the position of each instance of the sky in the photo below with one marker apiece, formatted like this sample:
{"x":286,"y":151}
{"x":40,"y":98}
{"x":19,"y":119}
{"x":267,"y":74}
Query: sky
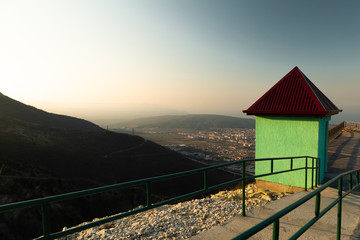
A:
{"x":119,"y":59}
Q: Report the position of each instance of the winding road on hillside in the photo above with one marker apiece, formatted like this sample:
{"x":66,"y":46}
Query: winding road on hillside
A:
{"x":126,"y":149}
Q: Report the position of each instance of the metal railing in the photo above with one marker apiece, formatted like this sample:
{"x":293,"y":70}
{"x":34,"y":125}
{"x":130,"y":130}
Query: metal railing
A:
{"x":44,"y":203}
{"x":345,"y":125}
{"x":274,"y":219}
{"x":352,"y":126}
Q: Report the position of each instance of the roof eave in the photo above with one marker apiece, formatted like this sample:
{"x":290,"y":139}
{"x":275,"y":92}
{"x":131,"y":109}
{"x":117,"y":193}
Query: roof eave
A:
{"x":292,"y":113}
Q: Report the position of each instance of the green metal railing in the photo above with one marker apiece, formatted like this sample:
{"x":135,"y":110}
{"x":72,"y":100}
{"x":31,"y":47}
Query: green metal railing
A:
{"x":274,"y":219}
{"x":45,"y":202}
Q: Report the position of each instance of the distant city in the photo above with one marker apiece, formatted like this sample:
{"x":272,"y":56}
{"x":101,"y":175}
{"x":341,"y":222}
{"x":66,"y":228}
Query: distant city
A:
{"x":211,"y":146}
{"x":223,"y":144}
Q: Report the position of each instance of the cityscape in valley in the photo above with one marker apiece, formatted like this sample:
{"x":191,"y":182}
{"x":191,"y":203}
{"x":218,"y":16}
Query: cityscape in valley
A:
{"x":226,"y":144}
{"x":209,"y":146}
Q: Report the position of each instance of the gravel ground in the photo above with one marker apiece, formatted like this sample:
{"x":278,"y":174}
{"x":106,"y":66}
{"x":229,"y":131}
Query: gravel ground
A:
{"x":179,"y":221}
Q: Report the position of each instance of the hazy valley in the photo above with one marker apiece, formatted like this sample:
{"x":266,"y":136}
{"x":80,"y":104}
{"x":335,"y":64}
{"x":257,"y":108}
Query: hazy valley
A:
{"x":44,"y":154}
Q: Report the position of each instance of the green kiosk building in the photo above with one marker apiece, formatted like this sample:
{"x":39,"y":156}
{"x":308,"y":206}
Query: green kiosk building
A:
{"x":292,"y":119}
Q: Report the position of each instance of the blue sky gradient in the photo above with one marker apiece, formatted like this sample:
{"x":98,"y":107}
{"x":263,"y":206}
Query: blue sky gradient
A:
{"x":118,"y":59}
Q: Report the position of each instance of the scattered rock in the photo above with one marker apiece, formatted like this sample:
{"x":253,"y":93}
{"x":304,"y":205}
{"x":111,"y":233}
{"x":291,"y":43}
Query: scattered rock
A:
{"x":182,"y":220}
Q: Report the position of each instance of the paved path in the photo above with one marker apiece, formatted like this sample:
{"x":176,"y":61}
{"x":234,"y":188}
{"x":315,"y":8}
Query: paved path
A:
{"x":343,"y":156}
{"x":325,"y":228}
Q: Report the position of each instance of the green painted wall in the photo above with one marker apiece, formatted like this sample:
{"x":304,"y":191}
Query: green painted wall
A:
{"x":286,"y":137}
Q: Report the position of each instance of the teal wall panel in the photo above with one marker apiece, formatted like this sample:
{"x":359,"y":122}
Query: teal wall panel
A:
{"x":323,"y":144}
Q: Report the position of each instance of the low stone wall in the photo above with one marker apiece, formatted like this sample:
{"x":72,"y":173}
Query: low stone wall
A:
{"x":336,"y":131}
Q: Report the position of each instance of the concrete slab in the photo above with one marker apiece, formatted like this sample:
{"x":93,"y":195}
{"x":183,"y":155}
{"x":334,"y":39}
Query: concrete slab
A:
{"x":325,"y":228}
{"x":343,"y":155}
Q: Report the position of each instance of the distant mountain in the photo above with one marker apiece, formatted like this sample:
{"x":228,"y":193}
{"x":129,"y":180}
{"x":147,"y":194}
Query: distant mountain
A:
{"x":191,"y":121}
{"x":44,"y":154}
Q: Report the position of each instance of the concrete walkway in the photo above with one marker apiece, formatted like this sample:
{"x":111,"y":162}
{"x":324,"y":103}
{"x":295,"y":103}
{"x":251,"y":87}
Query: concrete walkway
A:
{"x":325,"y":228}
{"x":343,"y":156}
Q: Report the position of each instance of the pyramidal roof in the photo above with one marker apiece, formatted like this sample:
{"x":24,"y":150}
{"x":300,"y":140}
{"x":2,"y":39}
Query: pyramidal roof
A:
{"x":294,"y":95}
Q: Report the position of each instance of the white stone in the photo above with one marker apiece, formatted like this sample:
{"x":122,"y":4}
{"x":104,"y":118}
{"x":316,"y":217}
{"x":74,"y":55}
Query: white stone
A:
{"x":182,"y":220}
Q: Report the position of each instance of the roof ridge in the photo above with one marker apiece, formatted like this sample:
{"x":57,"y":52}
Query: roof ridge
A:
{"x":307,"y":80}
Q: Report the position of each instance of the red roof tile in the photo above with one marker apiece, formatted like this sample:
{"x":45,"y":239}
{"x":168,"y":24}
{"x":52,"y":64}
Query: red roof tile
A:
{"x":295,"y":95}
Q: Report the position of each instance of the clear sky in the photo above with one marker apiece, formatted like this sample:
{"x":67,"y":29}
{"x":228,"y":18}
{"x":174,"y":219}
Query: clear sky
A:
{"x":107,"y":59}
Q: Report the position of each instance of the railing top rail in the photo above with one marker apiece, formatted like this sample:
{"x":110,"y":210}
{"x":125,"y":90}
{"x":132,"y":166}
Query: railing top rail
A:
{"x":38,"y":201}
{"x":351,"y":122}
{"x":291,"y":207}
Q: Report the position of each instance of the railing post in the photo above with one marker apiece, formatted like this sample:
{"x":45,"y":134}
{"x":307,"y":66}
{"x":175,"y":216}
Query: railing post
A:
{"x":46,"y":219}
{"x":306,"y":170}
{"x":312,"y":173}
{"x":357,"y":177}
{"x":350,"y":181}
{"x":317,"y":204}
{"x":272,"y":165}
{"x":243,"y":189}
{"x":276,"y":227}
{"x":205,"y":180}
{"x":291,"y":163}
{"x":338,"y":227}
{"x":317,"y":172}
{"x":148,"y":194}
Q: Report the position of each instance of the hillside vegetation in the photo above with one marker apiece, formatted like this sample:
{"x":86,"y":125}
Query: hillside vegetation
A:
{"x":43,"y":154}
{"x":192,"y":121}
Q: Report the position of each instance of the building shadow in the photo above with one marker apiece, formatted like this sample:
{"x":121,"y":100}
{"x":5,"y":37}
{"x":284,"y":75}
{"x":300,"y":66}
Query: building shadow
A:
{"x":335,"y":156}
{"x":354,"y":156}
{"x":340,"y":162}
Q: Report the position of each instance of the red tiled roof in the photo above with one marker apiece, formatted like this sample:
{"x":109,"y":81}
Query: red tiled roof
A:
{"x":294,"y":94}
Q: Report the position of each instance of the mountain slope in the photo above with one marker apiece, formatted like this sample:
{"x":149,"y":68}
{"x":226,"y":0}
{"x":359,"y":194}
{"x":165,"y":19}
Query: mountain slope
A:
{"x":191,"y":121}
{"x":12,"y":110}
{"x":43,"y":154}
{"x":34,"y":143}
